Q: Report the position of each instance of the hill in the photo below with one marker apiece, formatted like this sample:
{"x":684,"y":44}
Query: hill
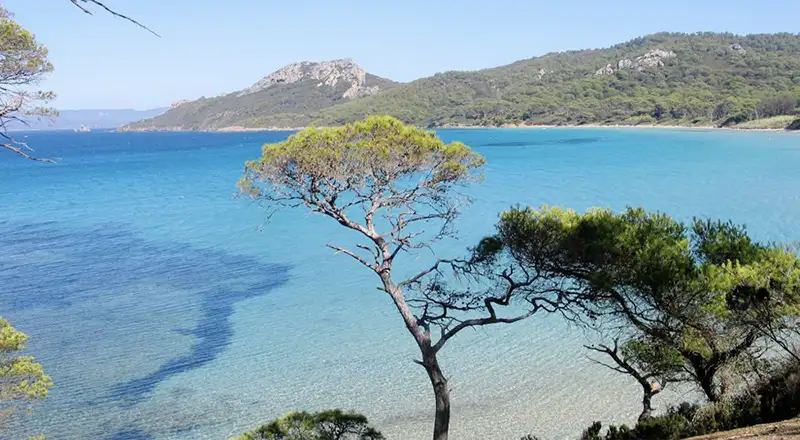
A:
{"x":663,"y":78}
{"x":284,"y":98}
{"x":666,"y":78}
{"x":97,"y":118}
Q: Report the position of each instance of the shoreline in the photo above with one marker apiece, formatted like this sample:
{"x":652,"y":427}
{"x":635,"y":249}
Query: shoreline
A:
{"x":239,"y":129}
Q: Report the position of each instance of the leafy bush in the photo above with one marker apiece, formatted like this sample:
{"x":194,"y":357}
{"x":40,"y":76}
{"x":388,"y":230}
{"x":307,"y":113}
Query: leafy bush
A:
{"x":640,"y":120}
{"x":667,"y":427}
{"x":778,"y":396}
{"x":772,"y":399}
{"x":592,"y":432}
{"x":621,"y":433}
{"x":325,"y":425}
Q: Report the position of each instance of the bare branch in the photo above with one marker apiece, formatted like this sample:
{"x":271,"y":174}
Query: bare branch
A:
{"x":477,"y":323}
{"x":354,"y":256}
{"x":112,"y":12}
{"x":24,"y":154}
{"x":416,"y":278}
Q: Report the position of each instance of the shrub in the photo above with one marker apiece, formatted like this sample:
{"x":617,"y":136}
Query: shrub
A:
{"x":621,"y":433}
{"x":667,"y":427}
{"x":713,"y":417}
{"x":592,"y":432}
{"x":324,"y":425}
{"x":778,"y":396}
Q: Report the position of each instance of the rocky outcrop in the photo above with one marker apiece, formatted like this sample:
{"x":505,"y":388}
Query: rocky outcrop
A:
{"x":608,"y":70}
{"x":178,"y":103}
{"x":542,"y":72}
{"x":625,"y":64}
{"x":654,"y":58}
{"x":329,"y":73}
{"x":738,"y":49}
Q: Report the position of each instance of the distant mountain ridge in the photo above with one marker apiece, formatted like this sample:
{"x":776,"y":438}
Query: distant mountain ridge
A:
{"x":91,"y":118}
{"x":291,"y":93}
{"x":666,"y":78}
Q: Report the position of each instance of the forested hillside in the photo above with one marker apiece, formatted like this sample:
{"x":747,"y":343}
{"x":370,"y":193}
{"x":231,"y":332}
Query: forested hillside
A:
{"x":688,"y":79}
{"x":666,"y":78}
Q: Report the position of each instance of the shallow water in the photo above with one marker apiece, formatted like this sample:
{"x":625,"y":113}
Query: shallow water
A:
{"x":166,"y":309}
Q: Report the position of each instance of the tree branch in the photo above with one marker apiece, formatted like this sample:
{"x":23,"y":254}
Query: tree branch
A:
{"x":112,"y":12}
{"x":24,"y":154}
{"x":447,"y":335}
{"x":354,"y":256}
{"x":424,"y":273}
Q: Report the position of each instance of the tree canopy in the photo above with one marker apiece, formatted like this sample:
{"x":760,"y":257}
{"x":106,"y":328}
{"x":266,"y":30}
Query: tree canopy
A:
{"x":324,"y":425}
{"x":22,"y":379}
{"x":397,"y":186}
{"x":685,"y":289}
{"x":23,"y":65}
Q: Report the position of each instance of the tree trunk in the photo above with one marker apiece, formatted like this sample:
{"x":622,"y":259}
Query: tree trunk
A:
{"x":441,"y":423}
{"x":707,"y":384}
{"x":647,"y":408}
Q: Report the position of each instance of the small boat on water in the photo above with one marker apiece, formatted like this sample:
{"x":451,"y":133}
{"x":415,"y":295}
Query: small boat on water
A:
{"x":83,"y":129}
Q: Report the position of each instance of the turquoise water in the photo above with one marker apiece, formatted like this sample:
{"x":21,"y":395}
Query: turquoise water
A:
{"x":166,"y":309}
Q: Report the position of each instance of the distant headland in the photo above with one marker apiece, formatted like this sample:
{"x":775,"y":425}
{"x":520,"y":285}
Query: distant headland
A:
{"x":666,"y":79}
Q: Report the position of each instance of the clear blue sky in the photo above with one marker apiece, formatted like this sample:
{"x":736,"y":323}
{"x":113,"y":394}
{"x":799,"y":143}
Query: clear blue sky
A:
{"x":209,"y":47}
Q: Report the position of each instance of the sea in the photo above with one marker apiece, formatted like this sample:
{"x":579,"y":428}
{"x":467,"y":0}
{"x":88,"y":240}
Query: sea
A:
{"x":166,"y":308}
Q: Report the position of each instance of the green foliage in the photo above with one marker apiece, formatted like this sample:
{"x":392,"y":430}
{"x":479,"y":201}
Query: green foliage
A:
{"x":680,"y":291}
{"x":707,"y":82}
{"x":773,"y":123}
{"x":592,"y":432}
{"x":325,"y":425}
{"x":23,"y":65}
{"x":668,"y":427}
{"x":774,"y":398}
{"x":651,"y":356}
{"x":377,"y":152}
{"x":22,"y":380}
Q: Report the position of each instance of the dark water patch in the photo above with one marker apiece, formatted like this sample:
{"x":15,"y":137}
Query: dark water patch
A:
{"x":120,"y":277}
{"x":133,"y":434}
{"x":577,"y":141}
{"x":536,"y":142}
{"x":507,"y":144}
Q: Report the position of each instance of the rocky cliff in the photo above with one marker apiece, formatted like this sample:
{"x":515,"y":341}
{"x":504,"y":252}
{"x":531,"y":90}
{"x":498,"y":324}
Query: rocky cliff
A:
{"x":328,"y":73}
{"x":286,"y":97}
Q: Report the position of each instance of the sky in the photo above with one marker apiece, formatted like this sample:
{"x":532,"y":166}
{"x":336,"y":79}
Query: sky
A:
{"x":211,"y":47}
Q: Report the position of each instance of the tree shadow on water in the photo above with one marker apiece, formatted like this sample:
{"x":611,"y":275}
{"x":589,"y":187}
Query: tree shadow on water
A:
{"x":51,"y":267}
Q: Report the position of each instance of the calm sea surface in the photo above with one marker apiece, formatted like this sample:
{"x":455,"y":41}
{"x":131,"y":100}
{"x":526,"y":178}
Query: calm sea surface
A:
{"x":166,"y":309}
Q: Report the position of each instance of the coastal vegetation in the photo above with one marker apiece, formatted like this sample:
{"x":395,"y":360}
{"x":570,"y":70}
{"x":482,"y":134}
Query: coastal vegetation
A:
{"x":773,"y":397}
{"x":22,"y":379}
{"x":701,"y":79}
{"x":396,"y":186}
{"x":687,"y":300}
{"x":23,"y":65}
{"x":700,"y":304}
{"x":772,"y":123}
{"x":324,"y":425}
